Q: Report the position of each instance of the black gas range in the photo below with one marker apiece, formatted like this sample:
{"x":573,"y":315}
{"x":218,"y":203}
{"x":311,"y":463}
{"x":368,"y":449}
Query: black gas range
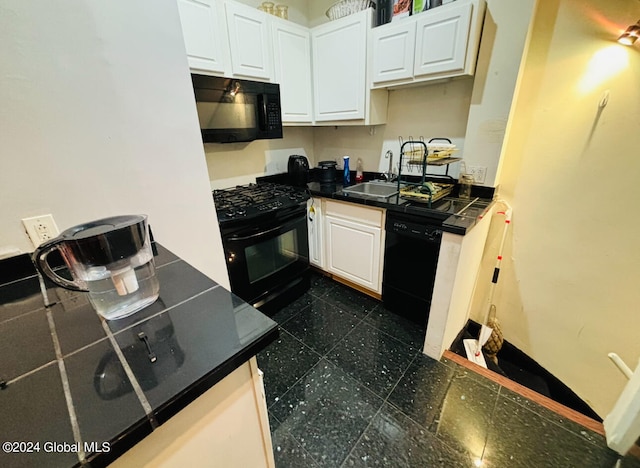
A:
{"x":265,"y":240}
{"x":250,"y":203}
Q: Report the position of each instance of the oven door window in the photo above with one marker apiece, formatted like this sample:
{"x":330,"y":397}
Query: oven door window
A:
{"x":271,"y":256}
{"x":266,"y":257}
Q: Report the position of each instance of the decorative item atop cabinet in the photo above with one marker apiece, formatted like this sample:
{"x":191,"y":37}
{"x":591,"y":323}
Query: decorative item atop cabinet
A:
{"x":438,"y":43}
{"x":344,"y":8}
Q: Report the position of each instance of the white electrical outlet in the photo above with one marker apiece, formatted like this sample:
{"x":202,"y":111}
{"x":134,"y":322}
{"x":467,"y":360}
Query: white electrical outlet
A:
{"x":479,"y":173}
{"x":40,"y":228}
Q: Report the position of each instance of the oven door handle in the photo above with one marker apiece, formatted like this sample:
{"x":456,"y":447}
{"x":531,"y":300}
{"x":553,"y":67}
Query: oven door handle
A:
{"x":260,"y":234}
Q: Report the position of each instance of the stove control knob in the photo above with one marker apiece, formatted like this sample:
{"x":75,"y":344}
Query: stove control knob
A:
{"x":230,"y":213}
{"x":241,"y":212}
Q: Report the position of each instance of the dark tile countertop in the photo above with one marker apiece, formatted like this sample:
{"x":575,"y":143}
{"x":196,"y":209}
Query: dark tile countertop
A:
{"x":442,"y":212}
{"x":64,"y":391}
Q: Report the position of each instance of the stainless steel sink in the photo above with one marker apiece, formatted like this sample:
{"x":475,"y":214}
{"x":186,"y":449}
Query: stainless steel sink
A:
{"x":375,"y":189}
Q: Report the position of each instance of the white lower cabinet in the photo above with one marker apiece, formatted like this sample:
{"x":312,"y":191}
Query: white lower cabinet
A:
{"x":354,"y":242}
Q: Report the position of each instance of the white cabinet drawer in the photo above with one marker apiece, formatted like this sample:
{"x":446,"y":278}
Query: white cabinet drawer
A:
{"x":350,"y":211}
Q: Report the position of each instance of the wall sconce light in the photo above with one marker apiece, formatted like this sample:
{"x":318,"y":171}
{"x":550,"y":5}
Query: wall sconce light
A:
{"x":630,"y":35}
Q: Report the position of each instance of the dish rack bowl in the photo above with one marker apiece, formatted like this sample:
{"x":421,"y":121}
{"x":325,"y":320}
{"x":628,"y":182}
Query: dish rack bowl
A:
{"x":347,"y":7}
{"x":416,"y":193}
{"x":416,"y":156}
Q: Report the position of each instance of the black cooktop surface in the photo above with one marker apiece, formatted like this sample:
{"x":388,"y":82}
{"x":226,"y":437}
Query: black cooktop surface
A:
{"x":246,"y":202}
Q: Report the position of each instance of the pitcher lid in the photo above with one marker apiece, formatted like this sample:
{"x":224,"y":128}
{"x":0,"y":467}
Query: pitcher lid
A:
{"x":106,"y":240}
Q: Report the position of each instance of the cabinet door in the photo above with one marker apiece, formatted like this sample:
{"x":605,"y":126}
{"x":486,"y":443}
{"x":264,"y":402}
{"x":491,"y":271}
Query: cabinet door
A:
{"x":339,"y":61}
{"x":203,"y":35}
{"x":441,"y":39}
{"x":249,"y":41}
{"x":353,"y":251}
{"x":393,"y":47}
{"x":292,"y":60}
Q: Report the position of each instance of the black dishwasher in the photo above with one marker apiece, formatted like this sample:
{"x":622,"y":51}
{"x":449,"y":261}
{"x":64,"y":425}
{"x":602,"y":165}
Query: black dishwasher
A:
{"x":410,"y":260}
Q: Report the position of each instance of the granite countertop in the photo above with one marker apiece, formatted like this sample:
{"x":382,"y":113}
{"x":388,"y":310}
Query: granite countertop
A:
{"x":456,"y":224}
{"x":449,"y":222}
{"x":62,"y":379}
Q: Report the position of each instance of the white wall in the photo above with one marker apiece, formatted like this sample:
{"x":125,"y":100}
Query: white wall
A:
{"x":569,"y":291}
{"x":503,"y":36}
{"x":98,"y":118}
{"x":437,"y":110}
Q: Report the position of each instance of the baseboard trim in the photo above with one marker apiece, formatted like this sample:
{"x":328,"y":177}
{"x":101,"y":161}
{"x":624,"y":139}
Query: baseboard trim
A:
{"x":542,"y":400}
{"x":346,"y":282}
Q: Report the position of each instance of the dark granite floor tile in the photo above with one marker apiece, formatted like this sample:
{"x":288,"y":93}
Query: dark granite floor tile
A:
{"x":25,"y":344}
{"x":630,"y":461}
{"x":292,"y":309}
{"x":554,"y":417}
{"x":373,"y":357}
{"x":422,"y":389}
{"x":350,"y":300}
{"x":455,"y":408}
{"x":288,"y":453}
{"x":321,"y":325}
{"x":326,"y":412}
{"x":27,"y":416}
{"x":397,"y":326}
{"x":274,"y":423}
{"x":462,"y":372}
{"x":393,"y":440}
{"x":76,"y":327}
{"x":520,"y":437}
{"x":321,"y":285}
{"x":283,"y":362}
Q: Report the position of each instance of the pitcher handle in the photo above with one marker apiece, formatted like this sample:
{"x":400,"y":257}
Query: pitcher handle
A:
{"x":42,"y":265}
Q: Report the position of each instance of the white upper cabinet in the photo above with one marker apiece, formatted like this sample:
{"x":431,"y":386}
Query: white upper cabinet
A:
{"x":292,"y":64}
{"x":249,"y":41}
{"x":439,"y":43}
{"x":340,"y":55}
{"x":204,"y":32}
{"x":339,"y":67}
{"x":441,"y":46}
{"x":393,"y":52}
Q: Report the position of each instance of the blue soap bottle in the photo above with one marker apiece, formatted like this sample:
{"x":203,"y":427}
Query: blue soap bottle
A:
{"x":347,"y":174}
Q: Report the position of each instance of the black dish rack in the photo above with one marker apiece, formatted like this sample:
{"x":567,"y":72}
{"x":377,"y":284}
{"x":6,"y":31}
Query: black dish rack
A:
{"x":416,"y":153}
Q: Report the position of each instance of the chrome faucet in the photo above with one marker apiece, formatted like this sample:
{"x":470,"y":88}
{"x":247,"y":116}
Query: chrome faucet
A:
{"x":389,"y":175}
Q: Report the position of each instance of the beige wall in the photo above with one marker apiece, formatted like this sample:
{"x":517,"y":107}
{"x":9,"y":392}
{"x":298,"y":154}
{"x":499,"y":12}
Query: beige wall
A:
{"x":241,"y":163}
{"x":426,"y":111}
{"x":90,"y":129}
{"x":569,"y":290}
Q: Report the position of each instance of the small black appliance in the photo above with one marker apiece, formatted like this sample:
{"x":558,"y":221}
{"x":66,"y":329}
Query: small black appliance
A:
{"x":298,"y":169}
{"x":327,"y":172}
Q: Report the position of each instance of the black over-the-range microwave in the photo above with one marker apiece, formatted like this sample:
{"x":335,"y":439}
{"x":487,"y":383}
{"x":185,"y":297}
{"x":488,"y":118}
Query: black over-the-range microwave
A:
{"x":232,"y":110}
